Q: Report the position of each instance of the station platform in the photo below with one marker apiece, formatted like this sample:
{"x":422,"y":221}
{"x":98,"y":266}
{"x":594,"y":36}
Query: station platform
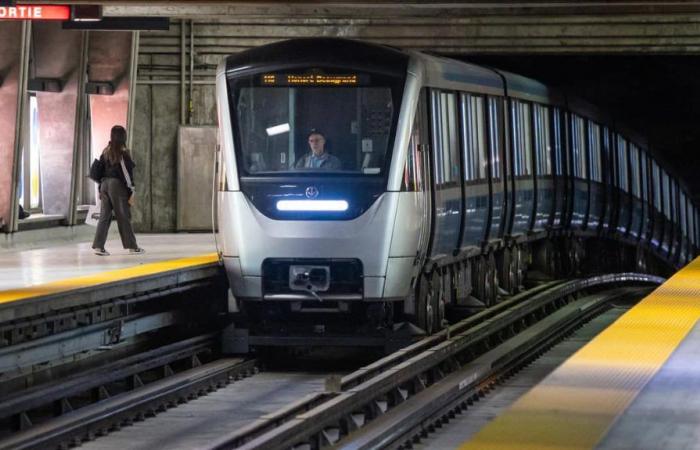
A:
{"x":38,"y":281}
{"x":634,"y":386}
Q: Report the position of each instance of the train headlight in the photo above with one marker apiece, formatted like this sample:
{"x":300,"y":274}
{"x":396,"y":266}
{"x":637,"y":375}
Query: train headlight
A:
{"x":312,"y":205}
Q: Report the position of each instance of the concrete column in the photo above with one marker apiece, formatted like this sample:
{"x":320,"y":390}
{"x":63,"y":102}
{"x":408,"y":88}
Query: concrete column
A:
{"x":13,"y":42}
{"x":57,"y":55}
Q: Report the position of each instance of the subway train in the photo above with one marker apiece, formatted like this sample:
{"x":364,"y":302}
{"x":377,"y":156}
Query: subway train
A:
{"x":360,"y":187}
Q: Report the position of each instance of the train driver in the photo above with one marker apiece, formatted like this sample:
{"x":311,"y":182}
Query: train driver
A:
{"x":317,"y":157}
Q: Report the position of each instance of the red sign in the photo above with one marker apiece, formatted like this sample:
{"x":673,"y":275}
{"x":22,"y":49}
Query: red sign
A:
{"x":35,"y":12}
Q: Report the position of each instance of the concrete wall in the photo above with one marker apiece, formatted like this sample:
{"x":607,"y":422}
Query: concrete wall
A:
{"x":10,"y":42}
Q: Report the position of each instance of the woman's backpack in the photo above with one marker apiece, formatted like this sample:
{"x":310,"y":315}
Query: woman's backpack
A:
{"x":97,"y":170}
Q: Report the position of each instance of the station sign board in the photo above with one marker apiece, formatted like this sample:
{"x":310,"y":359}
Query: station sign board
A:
{"x":35,"y":12}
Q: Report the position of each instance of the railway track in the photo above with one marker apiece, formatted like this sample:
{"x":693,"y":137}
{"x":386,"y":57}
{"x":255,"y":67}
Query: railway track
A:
{"x":380,"y":404}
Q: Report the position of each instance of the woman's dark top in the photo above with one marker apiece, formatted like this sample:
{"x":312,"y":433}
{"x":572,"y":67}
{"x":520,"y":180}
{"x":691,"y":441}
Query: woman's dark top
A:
{"x":115,"y":170}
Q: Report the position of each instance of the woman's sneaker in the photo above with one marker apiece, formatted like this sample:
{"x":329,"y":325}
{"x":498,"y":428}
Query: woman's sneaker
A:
{"x":136,"y":251}
{"x":101,"y":252}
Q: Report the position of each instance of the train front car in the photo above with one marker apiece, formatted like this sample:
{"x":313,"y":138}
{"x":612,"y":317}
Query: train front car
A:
{"x":307,"y":131}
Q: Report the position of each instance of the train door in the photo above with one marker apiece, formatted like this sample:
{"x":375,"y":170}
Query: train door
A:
{"x":637,"y":216}
{"x":676,"y":220}
{"x":658,"y":234}
{"x":607,"y":177}
{"x":624,"y":202}
{"x":666,"y":206}
{"x":595,"y":169}
{"x":544,"y":199}
{"x":646,"y":229}
{"x":416,"y":178}
{"x":579,"y":171}
{"x":683,"y":256}
{"x":474,"y":138}
{"x":446,"y":173}
{"x":496,"y":165}
{"x":523,"y":173}
{"x":560,"y":191}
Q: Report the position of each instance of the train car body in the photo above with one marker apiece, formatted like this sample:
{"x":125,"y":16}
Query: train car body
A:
{"x":445,"y":183}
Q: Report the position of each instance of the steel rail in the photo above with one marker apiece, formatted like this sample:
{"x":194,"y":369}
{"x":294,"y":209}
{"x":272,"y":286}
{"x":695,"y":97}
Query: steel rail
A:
{"x":452,"y":394}
{"x":132,"y":366}
{"x":274,"y":420}
{"x":368,"y":393}
{"x":99,"y":418}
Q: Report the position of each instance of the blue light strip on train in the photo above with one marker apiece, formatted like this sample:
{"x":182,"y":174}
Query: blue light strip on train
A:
{"x":312,"y":205}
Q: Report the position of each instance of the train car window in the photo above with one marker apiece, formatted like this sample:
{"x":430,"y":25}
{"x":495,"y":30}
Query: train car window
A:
{"x":634,"y":171}
{"x":691,"y":222}
{"x":543,"y":146}
{"x":473,"y":137}
{"x":656,"y":174}
{"x":521,"y":123}
{"x":684,"y":215}
{"x":666,"y":193}
{"x":495,"y":136}
{"x":622,"y":171}
{"x":594,"y":151}
{"x":353,"y":113}
{"x":578,"y":148}
{"x":558,"y":141}
{"x":445,"y":137}
{"x":413,"y":171}
{"x":644,"y":171}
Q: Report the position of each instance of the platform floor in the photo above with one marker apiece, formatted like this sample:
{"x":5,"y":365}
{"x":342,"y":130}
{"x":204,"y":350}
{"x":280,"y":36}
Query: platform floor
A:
{"x":635,"y":386}
{"x":25,"y":268}
{"x":45,"y":280}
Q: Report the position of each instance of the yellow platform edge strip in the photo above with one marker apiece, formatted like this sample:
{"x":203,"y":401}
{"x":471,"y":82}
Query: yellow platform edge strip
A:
{"x":575,"y":406}
{"x":96,"y":279}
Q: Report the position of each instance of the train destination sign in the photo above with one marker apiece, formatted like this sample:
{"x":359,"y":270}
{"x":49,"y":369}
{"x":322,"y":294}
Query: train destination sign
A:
{"x":35,"y":12}
{"x":315,"y":79}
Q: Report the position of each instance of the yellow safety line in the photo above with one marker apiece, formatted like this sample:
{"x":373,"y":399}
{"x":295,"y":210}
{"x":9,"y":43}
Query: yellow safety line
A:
{"x":71,"y":284}
{"x":577,"y":404}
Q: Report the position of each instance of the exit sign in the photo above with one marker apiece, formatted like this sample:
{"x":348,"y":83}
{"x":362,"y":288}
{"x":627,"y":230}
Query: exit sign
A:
{"x":35,"y":12}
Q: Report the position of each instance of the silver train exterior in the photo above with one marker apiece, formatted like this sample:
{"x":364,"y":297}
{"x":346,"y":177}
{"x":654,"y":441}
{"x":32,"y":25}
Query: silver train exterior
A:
{"x":456,"y":180}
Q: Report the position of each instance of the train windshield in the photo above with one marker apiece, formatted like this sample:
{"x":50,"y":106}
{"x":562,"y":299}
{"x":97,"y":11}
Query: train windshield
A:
{"x":314,"y":121}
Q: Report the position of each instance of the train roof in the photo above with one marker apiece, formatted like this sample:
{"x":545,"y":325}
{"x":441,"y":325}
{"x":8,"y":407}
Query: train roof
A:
{"x":451,"y":73}
{"x":325,"y":52}
{"x":525,"y":88}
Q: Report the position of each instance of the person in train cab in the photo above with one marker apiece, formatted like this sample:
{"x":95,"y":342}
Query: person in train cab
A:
{"x":318,"y":157}
{"x":116,"y":193}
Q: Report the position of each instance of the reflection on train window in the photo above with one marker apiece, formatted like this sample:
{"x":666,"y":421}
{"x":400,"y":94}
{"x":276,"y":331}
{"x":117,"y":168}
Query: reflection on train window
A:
{"x":578,"y":148}
{"x":634,"y":170}
{"x":495,"y":135}
{"x":558,"y":141}
{"x":522,"y":144}
{"x":594,"y":151}
{"x":605,"y":154}
{"x":446,"y":146}
{"x":644,"y":173}
{"x":543,"y":145}
{"x":656,"y":173}
{"x":666,"y":188}
{"x":413,"y":171}
{"x":684,"y":214}
{"x":474,"y":137}
{"x":622,"y":164}
{"x":274,"y":123}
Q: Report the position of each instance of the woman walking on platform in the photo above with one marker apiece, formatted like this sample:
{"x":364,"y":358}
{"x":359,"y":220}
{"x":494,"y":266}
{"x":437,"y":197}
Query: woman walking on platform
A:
{"x":116,"y":193}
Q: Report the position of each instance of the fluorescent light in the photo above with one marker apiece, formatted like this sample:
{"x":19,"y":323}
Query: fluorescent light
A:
{"x":312,"y":205}
{"x":278,"y":129}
